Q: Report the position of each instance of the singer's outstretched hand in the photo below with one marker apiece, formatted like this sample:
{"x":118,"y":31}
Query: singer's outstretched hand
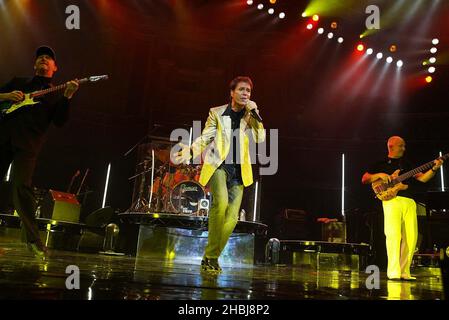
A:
{"x":182,"y":156}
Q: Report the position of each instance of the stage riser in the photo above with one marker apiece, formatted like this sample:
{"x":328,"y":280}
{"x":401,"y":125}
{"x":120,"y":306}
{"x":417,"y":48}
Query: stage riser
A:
{"x":322,"y":261}
{"x":183,"y":245}
{"x":317,"y":255}
{"x":60,"y":235}
{"x":52,"y":239}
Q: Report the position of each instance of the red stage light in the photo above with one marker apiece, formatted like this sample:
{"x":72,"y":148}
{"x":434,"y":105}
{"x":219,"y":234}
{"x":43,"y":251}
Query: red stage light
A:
{"x":315,"y":17}
{"x":360,"y":47}
{"x":310,"y":26}
{"x":429,"y":79}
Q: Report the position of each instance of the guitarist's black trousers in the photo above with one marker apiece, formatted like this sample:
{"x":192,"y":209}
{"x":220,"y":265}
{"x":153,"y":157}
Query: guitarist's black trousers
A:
{"x":18,"y":188}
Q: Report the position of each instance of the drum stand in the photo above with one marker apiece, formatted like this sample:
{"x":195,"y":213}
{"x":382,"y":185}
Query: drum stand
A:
{"x":141,"y":203}
{"x":165,"y":199}
{"x":160,"y":202}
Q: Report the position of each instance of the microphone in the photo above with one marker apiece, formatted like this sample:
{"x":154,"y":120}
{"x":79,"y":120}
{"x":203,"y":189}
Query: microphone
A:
{"x":255,"y":115}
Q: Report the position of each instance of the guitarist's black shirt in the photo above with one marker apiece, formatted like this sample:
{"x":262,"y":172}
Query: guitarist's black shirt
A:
{"x":26,"y":127}
{"x":389,"y":166}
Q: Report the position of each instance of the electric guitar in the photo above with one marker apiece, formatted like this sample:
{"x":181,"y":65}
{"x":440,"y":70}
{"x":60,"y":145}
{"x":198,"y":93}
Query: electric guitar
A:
{"x":7,"y":107}
{"x":388,"y":190}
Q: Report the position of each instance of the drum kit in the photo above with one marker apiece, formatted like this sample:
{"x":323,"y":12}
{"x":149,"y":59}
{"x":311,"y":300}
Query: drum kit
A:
{"x":160,"y":186}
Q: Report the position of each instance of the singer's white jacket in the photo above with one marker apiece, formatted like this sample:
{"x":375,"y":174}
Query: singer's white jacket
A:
{"x":215,"y":143}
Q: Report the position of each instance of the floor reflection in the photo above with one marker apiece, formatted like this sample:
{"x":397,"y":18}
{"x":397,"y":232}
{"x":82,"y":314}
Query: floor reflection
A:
{"x":126,"y":278}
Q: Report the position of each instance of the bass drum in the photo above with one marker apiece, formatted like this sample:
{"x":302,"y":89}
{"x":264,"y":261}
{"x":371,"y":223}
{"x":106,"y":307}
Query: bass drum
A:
{"x":185,"y":197}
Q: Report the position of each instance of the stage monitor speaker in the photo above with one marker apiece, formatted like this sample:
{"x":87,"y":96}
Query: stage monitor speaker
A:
{"x":61,"y":206}
{"x":292,"y":224}
{"x":334,"y":231}
{"x":100,"y":217}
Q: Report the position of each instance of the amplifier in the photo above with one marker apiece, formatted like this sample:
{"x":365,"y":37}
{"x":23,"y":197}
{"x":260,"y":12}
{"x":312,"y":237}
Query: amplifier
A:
{"x":60,"y":206}
{"x":292,"y":224}
{"x":333,"y":232}
{"x":294,"y":215}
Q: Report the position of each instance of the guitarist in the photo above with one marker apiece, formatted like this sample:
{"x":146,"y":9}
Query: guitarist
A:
{"x":22,"y":134}
{"x":400,"y":218}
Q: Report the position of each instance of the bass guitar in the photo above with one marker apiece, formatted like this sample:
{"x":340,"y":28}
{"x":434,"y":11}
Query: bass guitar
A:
{"x":388,"y":190}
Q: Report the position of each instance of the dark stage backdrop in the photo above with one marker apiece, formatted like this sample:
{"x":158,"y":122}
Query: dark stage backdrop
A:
{"x":169,"y":61}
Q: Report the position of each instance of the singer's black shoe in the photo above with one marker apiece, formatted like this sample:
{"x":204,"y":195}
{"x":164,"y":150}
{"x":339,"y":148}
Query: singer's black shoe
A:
{"x":210,"y":265}
{"x":39,"y":250}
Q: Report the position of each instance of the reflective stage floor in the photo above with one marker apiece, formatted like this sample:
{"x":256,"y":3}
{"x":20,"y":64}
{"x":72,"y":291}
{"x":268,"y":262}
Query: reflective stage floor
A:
{"x":23,"y":276}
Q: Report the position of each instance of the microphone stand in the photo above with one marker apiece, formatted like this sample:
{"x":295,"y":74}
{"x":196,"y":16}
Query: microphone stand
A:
{"x":82,"y":182}
{"x":77,"y":173}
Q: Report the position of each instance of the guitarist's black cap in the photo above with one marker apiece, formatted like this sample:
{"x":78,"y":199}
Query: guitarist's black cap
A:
{"x":46,"y":50}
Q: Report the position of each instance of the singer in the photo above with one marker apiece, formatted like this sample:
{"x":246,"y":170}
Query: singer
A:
{"x":227,"y":164}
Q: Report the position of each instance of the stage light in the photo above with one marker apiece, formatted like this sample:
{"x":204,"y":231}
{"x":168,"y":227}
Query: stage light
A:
{"x":272,"y":1}
{"x":379,"y":55}
{"x":443,"y":189}
{"x":431,"y":70}
{"x":281,"y":15}
{"x":433,"y":50}
{"x":360,"y":47}
{"x":334,"y":25}
{"x":8,"y":174}
{"x":393,"y":48}
{"x":424,"y":63}
{"x":433,"y":60}
{"x":315,"y":17}
{"x":320,"y":30}
{"x":389,"y":60}
{"x":270,"y":11}
{"x":260,"y":6}
{"x":369,"y":51}
{"x":330,"y":35}
{"x":304,"y":15}
{"x":249,"y":2}
{"x":362,"y":36}
{"x":435,"y":41}
{"x":429,"y":79}
{"x":106,"y":186}
{"x":255,"y":201}
{"x":340,"y":40}
{"x":310,"y":26}
{"x":399,"y":64}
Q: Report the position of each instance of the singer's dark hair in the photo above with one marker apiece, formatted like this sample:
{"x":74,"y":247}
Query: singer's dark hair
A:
{"x":233,"y":84}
